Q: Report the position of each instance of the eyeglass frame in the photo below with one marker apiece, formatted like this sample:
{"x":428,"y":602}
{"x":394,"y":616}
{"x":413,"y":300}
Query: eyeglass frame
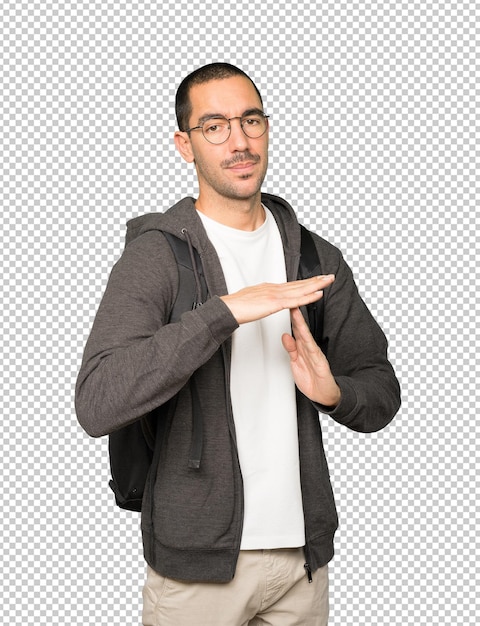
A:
{"x":229,"y":119}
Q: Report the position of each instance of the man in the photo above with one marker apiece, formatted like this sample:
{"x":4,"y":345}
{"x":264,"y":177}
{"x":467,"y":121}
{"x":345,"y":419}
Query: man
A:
{"x":243,"y":535}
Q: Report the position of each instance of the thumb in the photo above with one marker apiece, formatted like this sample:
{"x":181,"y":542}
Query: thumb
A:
{"x":290,"y":345}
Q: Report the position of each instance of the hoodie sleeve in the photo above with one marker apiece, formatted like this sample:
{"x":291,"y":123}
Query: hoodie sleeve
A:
{"x":134,"y":361}
{"x":357,"y":353}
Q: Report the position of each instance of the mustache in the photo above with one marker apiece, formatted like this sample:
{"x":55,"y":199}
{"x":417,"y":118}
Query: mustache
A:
{"x":240,"y":158}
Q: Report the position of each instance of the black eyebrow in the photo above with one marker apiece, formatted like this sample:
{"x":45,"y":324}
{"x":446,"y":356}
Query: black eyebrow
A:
{"x":209,"y":116}
{"x":254,"y":111}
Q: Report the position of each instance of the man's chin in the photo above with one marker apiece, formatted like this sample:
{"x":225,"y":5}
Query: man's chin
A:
{"x":248,"y":186}
{"x":244,"y":194}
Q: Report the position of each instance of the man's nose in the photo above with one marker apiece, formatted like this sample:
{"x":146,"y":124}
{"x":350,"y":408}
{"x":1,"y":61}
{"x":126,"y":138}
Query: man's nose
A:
{"x":237,"y":140}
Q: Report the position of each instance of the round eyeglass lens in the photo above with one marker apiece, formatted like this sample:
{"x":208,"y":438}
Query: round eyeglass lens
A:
{"x":217,"y":130}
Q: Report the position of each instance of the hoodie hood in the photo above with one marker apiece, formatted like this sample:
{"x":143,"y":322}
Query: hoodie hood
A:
{"x":183,"y":217}
{"x":179,"y":216}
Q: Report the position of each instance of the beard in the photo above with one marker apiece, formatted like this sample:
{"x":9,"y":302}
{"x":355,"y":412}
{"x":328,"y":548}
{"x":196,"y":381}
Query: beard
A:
{"x":239,"y":189}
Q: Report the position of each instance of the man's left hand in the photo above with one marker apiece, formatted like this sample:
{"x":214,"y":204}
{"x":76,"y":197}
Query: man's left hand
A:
{"x":310,"y":367}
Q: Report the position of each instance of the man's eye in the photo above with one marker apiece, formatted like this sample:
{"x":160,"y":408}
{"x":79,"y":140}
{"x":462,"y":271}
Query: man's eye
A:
{"x":214,"y":127}
{"x":251,"y":121}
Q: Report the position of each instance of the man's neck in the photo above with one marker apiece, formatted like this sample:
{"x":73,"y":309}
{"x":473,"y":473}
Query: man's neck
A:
{"x":246,"y":214}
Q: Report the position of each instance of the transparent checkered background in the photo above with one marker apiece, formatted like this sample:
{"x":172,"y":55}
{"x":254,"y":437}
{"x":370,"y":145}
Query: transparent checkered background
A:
{"x":374,"y":111}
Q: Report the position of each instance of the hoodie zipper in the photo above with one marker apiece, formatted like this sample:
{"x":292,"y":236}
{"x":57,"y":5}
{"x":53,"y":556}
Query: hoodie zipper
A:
{"x":197,"y":442}
{"x":198,"y":301}
{"x":231,"y":425}
{"x":308,"y":571}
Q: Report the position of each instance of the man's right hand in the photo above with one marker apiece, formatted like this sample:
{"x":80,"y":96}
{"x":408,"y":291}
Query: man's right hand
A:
{"x":254,"y":303}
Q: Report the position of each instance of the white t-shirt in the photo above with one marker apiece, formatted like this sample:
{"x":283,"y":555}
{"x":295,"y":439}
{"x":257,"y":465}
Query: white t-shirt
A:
{"x":263,"y":392}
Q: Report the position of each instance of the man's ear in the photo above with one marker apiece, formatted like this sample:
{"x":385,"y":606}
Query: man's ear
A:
{"x":184,"y":146}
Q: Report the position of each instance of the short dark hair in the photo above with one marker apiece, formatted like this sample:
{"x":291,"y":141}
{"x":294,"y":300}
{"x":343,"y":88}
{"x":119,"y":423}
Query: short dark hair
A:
{"x":212,"y":71}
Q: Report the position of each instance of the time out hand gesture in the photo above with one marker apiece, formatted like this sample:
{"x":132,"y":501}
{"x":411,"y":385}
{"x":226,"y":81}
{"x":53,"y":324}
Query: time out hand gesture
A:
{"x":310,"y":367}
{"x":254,"y":303}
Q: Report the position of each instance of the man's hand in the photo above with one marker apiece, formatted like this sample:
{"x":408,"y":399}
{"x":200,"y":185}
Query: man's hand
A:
{"x":254,"y":303}
{"x":310,"y":367}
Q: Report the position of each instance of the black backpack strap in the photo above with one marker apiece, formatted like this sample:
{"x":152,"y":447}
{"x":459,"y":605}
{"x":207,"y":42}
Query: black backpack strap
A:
{"x":191,"y":294}
{"x":192,"y":286}
{"x":131,"y":448}
{"x":310,"y":266}
{"x":130,"y":460}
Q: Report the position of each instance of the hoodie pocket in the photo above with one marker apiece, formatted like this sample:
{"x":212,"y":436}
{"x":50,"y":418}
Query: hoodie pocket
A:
{"x":194,"y":505}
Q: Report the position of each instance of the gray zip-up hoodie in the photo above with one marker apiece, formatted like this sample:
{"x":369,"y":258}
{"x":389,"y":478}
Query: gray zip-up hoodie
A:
{"x":135,"y":361}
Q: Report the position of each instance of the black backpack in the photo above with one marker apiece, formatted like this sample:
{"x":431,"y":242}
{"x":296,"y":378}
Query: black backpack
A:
{"x":131,"y":448}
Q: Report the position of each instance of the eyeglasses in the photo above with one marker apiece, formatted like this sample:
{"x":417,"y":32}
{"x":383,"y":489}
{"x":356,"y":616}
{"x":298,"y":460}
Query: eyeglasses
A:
{"x":217,"y":130}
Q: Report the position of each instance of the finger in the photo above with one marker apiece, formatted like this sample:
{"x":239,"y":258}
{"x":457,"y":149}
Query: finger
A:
{"x":306,"y":291}
{"x":294,"y":301}
{"x":305,"y":341}
{"x":290,"y":345}
{"x":299,"y":325}
{"x":315,"y":282}
{"x":327,"y":279}
{"x":324,"y":279}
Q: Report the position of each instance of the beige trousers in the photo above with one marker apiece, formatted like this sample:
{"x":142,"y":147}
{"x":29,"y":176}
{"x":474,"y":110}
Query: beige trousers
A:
{"x":270,"y":588}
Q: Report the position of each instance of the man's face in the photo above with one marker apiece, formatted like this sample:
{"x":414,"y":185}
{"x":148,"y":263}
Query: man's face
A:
{"x":236,"y":168}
